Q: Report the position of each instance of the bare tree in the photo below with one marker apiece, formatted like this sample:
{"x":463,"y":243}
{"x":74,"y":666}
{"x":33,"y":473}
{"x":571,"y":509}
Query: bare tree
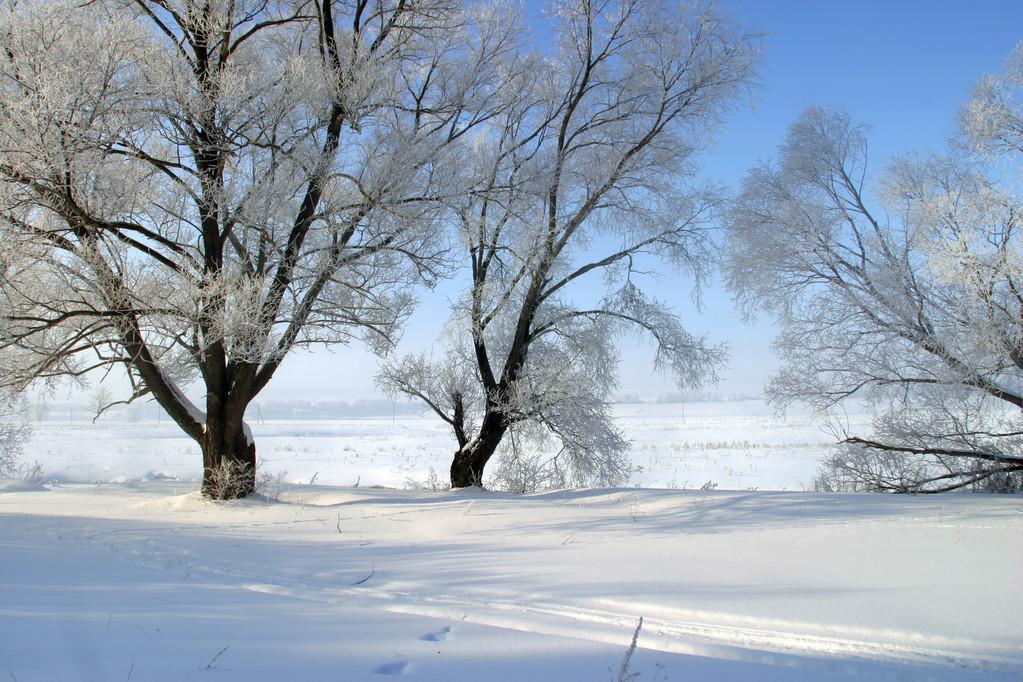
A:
{"x":585,"y":176}
{"x":915,"y":306}
{"x":194,"y":188}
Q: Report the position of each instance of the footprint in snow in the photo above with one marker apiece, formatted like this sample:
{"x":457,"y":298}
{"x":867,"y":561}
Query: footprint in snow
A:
{"x":438,"y":636}
{"x":395,"y":668}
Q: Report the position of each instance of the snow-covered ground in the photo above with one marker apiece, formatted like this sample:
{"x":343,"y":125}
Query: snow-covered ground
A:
{"x":147,"y":581}
{"x":139,"y":578}
{"x":737,"y":445}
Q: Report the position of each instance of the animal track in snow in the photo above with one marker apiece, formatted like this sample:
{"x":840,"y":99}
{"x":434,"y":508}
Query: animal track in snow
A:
{"x":437,"y":636}
{"x":394,"y":668}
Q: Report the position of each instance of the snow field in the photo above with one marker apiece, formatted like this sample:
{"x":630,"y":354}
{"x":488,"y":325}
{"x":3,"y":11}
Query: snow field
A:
{"x":119,"y":570}
{"x":148,"y":581}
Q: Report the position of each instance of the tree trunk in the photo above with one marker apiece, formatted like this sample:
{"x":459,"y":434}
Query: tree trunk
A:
{"x":469,"y":462}
{"x":229,"y":463}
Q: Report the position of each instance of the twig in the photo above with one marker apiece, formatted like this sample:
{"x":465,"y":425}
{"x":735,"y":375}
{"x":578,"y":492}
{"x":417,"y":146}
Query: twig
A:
{"x":210,"y":665}
{"x":372,"y":572}
{"x":623,"y":671}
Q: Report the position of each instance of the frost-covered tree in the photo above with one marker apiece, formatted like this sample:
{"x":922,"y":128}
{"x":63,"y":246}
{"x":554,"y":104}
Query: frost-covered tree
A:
{"x":992,"y":121}
{"x":908,"y":294}
{"x":191,"y":189}
{"x":585,"y":179}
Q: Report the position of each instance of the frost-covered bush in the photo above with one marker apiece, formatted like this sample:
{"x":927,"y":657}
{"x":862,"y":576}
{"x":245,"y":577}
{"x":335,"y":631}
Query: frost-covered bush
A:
{"x":854,"y":468}
{"x":524,"y":473}
{"x":229,"y":477}
{"x":269,"y":485}
{"x":529,"y":465}
{"x":14,"y":432}
{"x":433,"y":483}
{"x":228,"y":480}
{"x":859,"y":469}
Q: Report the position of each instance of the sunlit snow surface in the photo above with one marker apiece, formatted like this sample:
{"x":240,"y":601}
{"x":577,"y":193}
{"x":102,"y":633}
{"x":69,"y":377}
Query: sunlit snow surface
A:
{"x":145,"y":580}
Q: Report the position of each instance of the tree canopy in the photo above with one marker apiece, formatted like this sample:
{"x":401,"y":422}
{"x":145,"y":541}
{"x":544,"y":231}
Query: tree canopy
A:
{"x":906,"y":294}
{"x":588,"y":173}
{"x":192,"y":189}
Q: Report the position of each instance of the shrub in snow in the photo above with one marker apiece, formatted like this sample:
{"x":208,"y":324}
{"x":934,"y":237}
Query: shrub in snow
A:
{"x":228,"y":480}
{"x":432,"y":483}
{"x":270,"y":485}
{"x":854,"y":468}
{"x":229,"y":477}
{"x":14,"y":432}
{"x":528,"y":465}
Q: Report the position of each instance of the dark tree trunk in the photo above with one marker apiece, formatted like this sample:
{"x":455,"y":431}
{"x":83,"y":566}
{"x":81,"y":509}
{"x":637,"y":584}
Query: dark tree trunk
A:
{"x":469,"y":462}
{"x":229,"y":462}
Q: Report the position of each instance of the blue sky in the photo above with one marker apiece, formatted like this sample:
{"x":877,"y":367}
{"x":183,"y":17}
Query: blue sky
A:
{"x":902,"y":66}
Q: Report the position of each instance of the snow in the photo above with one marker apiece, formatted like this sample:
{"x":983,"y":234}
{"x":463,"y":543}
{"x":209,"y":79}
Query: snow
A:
{"x":146,"y":580}
{"x":736,"y":445}
{"x":151,"y":580}
{"x":197,"y":415}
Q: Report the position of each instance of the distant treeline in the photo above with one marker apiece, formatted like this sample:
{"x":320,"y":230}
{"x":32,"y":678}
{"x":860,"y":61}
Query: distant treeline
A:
{"x":687,"y":397}
{"x":331,"y":409}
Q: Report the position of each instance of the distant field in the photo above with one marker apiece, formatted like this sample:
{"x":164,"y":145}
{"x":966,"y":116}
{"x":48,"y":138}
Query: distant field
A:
{"x":736,"y":445}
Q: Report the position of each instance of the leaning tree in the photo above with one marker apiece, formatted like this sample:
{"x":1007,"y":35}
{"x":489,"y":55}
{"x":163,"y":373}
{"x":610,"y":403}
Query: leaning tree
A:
{"x":907,"y":294}
{"x":191,"y":189}
{"x":580,"y":186}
